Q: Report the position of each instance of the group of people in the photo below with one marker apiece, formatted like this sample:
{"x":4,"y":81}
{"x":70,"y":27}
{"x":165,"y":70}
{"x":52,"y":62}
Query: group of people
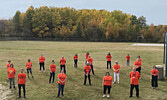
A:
{"x":134,"y":75}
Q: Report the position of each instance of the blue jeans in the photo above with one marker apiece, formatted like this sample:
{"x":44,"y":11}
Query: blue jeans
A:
{"x":127,"y":62}
{"x":61,"y":88}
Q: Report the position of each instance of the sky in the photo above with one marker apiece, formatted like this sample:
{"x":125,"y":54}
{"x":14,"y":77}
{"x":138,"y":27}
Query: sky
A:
{"x":155,"y":11}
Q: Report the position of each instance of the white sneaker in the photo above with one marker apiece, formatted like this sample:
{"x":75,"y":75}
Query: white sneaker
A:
{"x":39,"y":71}
{"x":108,"y":95}
{"x":104,"y":95}
{"x":118,"y":82}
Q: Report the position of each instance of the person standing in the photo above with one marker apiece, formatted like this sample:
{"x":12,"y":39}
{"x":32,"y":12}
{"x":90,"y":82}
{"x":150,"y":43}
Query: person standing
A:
{"x":52,"y":71}
{"x":108,"y":57}
{"x":21,"y":82}
{"x":61,"y":82}
{"x":29,"y":70}
{"x":154,"y":77}
{"x":75,"y":60}
{"x":107,"y":84}
{"x":11,"y":75}
{"x":62,"y":64}
{"x":116,"y":69}
{"x":90,"y":61}
{"x":138,"y":64}
{"x":7,"y":66}
{"x":42,"y":62}
{"x":87,"y":70}
{"x":86,"y":57}
{"x":134,"y":76}
{"x":128,"y":59}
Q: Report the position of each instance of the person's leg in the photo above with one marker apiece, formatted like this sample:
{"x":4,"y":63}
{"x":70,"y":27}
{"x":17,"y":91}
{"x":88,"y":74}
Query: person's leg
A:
{"x":131,"y":90}
{"x":28,"y":73}
{"x":137,"y":90}
{"x":59,"y":86}
{"x":24,"y":90}
{"x":40,"y":65}
{"x":107,"y":64}
{"x":60,"y":68}
{"x":19,"y":86}
{"x":118,"y":78}
{"x":105,"y":88}
{"x":13,"y":82}
{"x":92,"y":69}
{"x":10,"y":83}
{"x":65,"y":69}
{"x":110,"y":64}
{"x":62,"y":89}
{"x":156,"y":81}
{"x":85,"y":79}
{"x":76,"y":63}
{"x":50,"y":77}
{"x":53,"y":73}
{"x":152,"y":81}
{"x":115,"y":77}
{"x":43,"y":66}
{"x":89,"y":80}
{"x":31,"y":72}
{"x":109,"y":88}
{"x":127,"y":62}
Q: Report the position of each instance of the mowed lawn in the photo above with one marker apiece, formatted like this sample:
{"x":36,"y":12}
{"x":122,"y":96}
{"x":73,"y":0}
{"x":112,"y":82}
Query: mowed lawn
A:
{"x":40,"y":89}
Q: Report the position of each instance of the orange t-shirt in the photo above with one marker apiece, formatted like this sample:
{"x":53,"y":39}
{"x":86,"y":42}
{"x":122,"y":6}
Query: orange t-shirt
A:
{"x":8,"y":65}
{"x":137,"y":64}
{"x":87,"y":69}
{"x":62,"y":77}
{"x":140,"y":59}
{"x":86,"y":55}
{"x":21,"y":78}
{"x":154,"y":72}
{"x":28,"y":65}
{"x":107,"y":80}
{"x":116,"y":67}
{"x":62,"y":61}
{"x":75,"y":57}
{"x":134,"y":77}
{"x":52,"y":67}
{"x":42,"y":59}
{"x":108,"y":57}
{"x":90,"y":60}
{"x":11,"y":72}
{"x":127,"y":58}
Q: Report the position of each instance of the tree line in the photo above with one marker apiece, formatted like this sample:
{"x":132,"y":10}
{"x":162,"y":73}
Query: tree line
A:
{"x":84,"y":24}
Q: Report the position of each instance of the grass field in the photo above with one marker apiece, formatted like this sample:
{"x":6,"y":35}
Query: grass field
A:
{"x":40,"y":89}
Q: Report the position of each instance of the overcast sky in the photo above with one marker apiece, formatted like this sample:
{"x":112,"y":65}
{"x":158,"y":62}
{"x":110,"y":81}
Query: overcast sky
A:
{"x":155,"y":11}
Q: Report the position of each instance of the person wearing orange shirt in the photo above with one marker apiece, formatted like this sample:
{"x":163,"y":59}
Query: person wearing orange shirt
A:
{"x":42,"y":62}
{"x":87,"y":70}
{"x":107,"y":84}
{"x":7,"y":66}
{"x":116,"y":69}
{"x":154,"y":77}
{"x":61,"y":82}
{"x":21,"y":82}
{"x":139,"y":59}
{"x":128,"y":59}
{"x":134,"y":76}
{"x":90,"y":61}
{"x":11,"y":75}
{"x":52,"y":71}
{"x":75,"y":60}
{"x":29,"y":70}
{"x":86,"y":57}
{"x":138,"y":64}
{"x":108,"y":57}
{"x":62,"y":64}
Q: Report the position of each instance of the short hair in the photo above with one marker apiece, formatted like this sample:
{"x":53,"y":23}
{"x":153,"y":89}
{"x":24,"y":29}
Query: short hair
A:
{"x":9,"y":60}
{"x":53,"y":61}
{"x":108,"y":73}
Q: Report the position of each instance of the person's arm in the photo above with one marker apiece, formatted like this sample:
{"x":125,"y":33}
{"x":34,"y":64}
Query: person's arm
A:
{"x":60,"y":80}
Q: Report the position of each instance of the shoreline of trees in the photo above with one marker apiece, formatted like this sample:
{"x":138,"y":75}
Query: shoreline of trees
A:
{"x":85,"y":25}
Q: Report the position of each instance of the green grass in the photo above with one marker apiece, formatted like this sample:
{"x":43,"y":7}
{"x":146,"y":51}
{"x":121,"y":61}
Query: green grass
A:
{"x":40,"y":89}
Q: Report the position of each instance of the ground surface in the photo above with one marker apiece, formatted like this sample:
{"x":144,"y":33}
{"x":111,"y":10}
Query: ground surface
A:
{"x":40,"y":89}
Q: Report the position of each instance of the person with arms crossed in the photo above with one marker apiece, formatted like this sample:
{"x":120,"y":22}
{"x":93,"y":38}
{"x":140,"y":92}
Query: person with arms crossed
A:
{"x":11,"y":75}
{"x":29,"y":69}
{"x":116,"y":69}
{"x":52,"y":71}
{"x":21,"y":82}
{"x":61,"y":82}
{"x":107,"y":84}
{"x":62,"y":64}
{"x":128,"y":59}
{"x":75,"y":60}
{"x":87,"y":70}
{"x":90,"y":61}
{"x":42,"y":62}
{"x":154,"y":77}
{"x":108,"y":57}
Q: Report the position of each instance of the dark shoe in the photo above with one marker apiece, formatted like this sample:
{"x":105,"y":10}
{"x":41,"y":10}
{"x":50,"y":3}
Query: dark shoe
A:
{"x":130,"y":96}
{"x":137,"y":96}
{"x":24,"y":96}
{"x":32,"y":77}
{"x":57,"y":97}
{"x":14,"y":87}
{"x":10,"y":87}
{"x":62,"y":95}
{"x":19,"y":96}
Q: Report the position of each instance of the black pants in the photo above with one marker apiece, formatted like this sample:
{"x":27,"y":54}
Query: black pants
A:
{"x":154,"y":81}
{"x":137,"y":90}
{"x":75,"y":63}
{"x":24,"y":91}
{"x":52,"y":74}
{"x":108,"y":63}
{"x":88,"y":79}
{"x":105,"y":88}
{"x":139,"y":70}
{"x":61,"y":88}
{"x":42,"y":65}
{"x":92,"y":69}
{"x":63,"y":67}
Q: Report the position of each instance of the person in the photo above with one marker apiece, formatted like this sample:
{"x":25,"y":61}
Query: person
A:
{"x":42,"y":62}
{"x":21,"y":82}
{"x":108,"y":57}
{"x":61,"y":82}
{"x":116,"y":69}
{"x":138,"y":64}
{"x":87,"y":70}
{"x":75,"y":60}
{"x":11,"y":75}
{"x":62,"y":64}
{"x":86,"y":57}
{"x":139,"y":58}
{"x":128,"y":59}
{"x":134,"y":76}
{"x":154,"y":77}
{"x":90,"y":61}
{"x":107,"y":84}
{"x":52,"y":71}
{"x":29,"y":70}
{"x":7,"y":66}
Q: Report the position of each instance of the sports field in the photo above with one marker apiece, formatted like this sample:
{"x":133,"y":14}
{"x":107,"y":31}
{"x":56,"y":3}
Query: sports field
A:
{"x":40,"y":89}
